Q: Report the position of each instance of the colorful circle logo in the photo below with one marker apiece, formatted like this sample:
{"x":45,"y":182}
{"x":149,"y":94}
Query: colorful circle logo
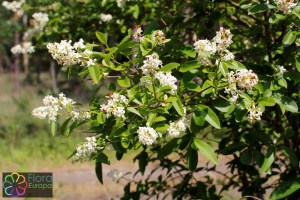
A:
{"x":15,"y":185}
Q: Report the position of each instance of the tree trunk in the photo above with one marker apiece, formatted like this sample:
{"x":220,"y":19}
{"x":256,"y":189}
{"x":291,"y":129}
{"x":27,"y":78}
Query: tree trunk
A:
{"x":17,"y":59}
{"x":25,"y":56}
{"x":53,"y":77}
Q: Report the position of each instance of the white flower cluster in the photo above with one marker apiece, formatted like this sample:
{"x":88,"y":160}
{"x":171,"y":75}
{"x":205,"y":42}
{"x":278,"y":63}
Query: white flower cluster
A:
{"x":52,"y":105}
{"x":85,"y":150}
{"x":242,"y":79}
{"x":285,"y":6}
{"x":254,"y":114}
{"x":15,"y":6}
{"x":138,"y":34}
{"x":120,"y":3}
{"x":67,"y":54}
{"x":280,"y":71}
{"x":24,"y":48}
{"x":40,"y":20}
{"x":179,"y":126}
{"x":218,"y":46}
{"x":150,"y":67}
{"x":158,"y":38}
{"x":115,"y":106}
{"x":151,"y":64}
{"x":147,"y":135}
{"x":105,"y":17}
{"x":166,"y":79}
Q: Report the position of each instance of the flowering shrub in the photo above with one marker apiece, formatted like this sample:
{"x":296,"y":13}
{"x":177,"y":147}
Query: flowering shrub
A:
{"x":212,"y":78}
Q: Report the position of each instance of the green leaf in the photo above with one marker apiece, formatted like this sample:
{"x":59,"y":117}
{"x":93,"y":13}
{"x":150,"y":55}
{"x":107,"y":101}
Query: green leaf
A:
{"x":261,"y":8}
{"x":169,"y":67}
{"x":267,"y":101}
{"x":63,"y":127}
{"x":221,"y":105}
{"x":285,"y":189}
{"x":198,"y":118}
{"x":282,"y":82}
{"x":289,"y":38}
{"x":135,"y":111}
{"x":210,"y":116}
{"x":206,"y":150}
{"x":223,"y":68}
{"x":95,"y":73}
{"x":100,"y":118}
{"x":189,"y":66}
{"x":289,"y":104}
{"x":53,"y":127}
{"x":178,"y":106}
{"x":101,"y":37}
{"x":274,"y":19}
{"x":170,"y":147}
{"x":98,"y":169}
{"x":269,"y":159}
{"x":189,"y":51}
{"x":102,"y":158}
{"x":297,"y":61}
{"x":124,"y":81}
{"x":290,"y":154}
{"x":192,"y":159}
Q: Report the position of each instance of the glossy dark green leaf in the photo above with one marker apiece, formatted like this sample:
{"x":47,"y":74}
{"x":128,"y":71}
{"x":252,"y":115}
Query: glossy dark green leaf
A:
{"x":98,"y":169}
{"x":210,"y":116}
{"x":178,"y":106}
{"x":269,"y":159}
{"x":207,"y":151}
{"x":192,"y":159}
{"x":285,"y":189}
{"x":289,"y":38}
{"x":189,"y":66}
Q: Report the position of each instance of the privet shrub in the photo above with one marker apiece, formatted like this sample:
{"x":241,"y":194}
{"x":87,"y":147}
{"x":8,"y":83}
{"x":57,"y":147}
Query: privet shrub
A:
{"x":190,"y":79}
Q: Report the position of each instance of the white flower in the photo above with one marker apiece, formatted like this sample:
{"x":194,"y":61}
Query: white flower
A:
{"x":280,"y":71}
{"x":85,"y":150}
{"x":66,"y":102}
{"x":151,"y":64}
{"x":285,"y":6}
{"x":147,"y":135}
{"x":115,"y":106}
{"x":254,"y":114}
{"x":40,"y":20}
{"x":91,"y":62}
{"x":120,"y":3}
{"x":138,"y":34}
{"x":205,"y":47}
{"x":175,"y":128}
{"x":158,"y":37}
{"x":234,"y":98}
{"x":40,"y":113}
{"x":166,"y":79}
{"x":223,"y":39}
{"x":15,"y":6}
{"x":246,"y":78}
{"x":227,"y":55}
{"x":79,"y":44}
{"x":105,"y":17}
{"x":24,"y":48}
